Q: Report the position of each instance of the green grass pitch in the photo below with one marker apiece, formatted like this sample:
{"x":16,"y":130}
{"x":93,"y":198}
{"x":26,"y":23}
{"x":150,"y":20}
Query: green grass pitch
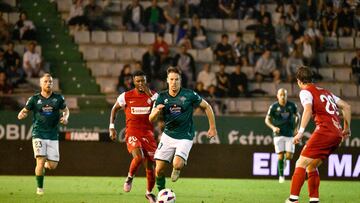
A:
{"x":187,"y":190}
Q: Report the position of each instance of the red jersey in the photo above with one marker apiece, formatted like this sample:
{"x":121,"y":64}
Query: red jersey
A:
{"x":324,"y":106}
{"x":137,"y":107}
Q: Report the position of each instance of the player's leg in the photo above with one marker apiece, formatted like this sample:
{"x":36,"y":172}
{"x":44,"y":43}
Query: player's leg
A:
{"x":160,"y":174}
{"x":183,"y":148}
{"x":136,"y":161}
{"x":279,"y":145}
{"x":298,"y":177}
{"x":150,"y":179}
{"x":39,"y":147}
{"x":53,"y":155}
{"x":313,"y":180}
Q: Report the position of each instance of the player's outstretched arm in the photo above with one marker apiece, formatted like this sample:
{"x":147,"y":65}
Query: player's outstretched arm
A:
{"x":65,"y":117}
{"x":304,"y":122}
{"x":113,"y":113}
{"x":155,"y":112}
{"x":211,"y":117}
{"x":346,"y":111}
{"x":23,"y":114}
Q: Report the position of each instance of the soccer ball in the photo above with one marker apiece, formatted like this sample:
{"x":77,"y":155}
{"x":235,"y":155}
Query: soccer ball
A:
{"x":166,"y":196}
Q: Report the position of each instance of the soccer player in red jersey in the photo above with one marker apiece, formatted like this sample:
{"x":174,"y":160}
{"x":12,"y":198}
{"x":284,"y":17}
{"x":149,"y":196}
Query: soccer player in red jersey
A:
{"x":327,"y":136}
{"x":139,"y":134}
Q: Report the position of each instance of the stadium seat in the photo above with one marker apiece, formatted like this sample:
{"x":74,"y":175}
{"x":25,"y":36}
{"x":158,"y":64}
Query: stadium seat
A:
{"x":107,"y":84}
{"x":336,"y":58}
{"x":231,"y":25}
{"x":295,"y":89}
{"x":261,"y":106}
{"x":5,"y":16}
{"x":327,"y":73}
{"x":349,"y":90}
{"x":91,"y":53}
{"x":115,"y":69}
{"x":330,"y":43}
{"x":131,"y":38}
{"x":115,"y":37}
{"x":348,"y":56}
{"x":253,"y":86}
{"x":99,"y":69}
{"x":322,"y":56}
{"x":204,"y":22}
{"x":123,"y":54}
{"x":98,"y":37}
{"x":346,"y":42}
{"x":71,"y":102}
{"x":335,"y":88}
{"x":13,"y":17}
{"x":137,"y":53}
{"x":357,"y":42}
{"x":287,"y":86}
{"x":64,"y":5}
{"x":215,"y":25}
{"x":231,"y":106}
{"x":82,"y":37}
{"x":147,"y":38}
{"x":249,"y":71}
{"x":269,"y":87}
{"x":193,"y":53}
{"x":107,"y":53}
{"x":342,"y":74}
{"x":206,"y":55}
{"x":10,"y":2}
{"x":214,"y":38}
{"x":248,"y":37}
{"x":169,"y":39}
{"x":244,"y":106}
{"x":245,"y":23}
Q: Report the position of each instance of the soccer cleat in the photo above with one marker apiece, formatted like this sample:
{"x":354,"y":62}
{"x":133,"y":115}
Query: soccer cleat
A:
{"x":151,"y":197}
{"x":291,"y":201}
{"x":281,"y":179}
{"x":128,"y":184}
{"x":175,"y":175}
{"x":39,"y":191}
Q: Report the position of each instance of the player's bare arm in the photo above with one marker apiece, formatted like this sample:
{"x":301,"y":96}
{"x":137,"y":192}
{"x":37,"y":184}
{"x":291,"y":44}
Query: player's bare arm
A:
{"x":211,"y":117}
{"x":65,"y":116}
{"x":304,"y":122}
{"x":270,"y":125}
{"x":113,"y":113}
{"x":346,"y":111}
{"x":23,"y":114}
{"x":155,"y":112}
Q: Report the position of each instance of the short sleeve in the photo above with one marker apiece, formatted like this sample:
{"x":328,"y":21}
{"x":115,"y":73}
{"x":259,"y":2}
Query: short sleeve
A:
{"x":336,"y":99}
{"x":154,"y":97}
{"x":121,"y":100}
{"x":62,"y":102}
{"x":159,"y":100}
{"x":295,"y":109}
{"x":30,"y":103}
{"x":305,"y":97}
{"x":196,"y":99}
{"x":269,"y":113}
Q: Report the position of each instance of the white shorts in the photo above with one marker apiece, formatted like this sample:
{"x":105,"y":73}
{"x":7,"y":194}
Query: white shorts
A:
{"x":46,"y":148}
{"x":170,"y":147}
{"x":284,"y":144}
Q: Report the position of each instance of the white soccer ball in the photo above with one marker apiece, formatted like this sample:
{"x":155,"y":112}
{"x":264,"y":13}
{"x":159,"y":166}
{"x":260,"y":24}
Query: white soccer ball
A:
{"x":166,"y":196}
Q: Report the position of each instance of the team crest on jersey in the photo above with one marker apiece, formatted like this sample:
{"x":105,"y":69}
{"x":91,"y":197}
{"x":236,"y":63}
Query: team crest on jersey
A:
{"x":166,"y":101}
{"x":54,"y":100}
{"x":182,"y":99}
{"x":39,"y":101}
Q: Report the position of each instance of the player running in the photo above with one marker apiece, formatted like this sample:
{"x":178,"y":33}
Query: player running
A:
{"x":283,"y":119}
{"x":48,"y":110}
{"x":176,"y":105}
{"x":139,"y":134}
{"x":327,"y":136}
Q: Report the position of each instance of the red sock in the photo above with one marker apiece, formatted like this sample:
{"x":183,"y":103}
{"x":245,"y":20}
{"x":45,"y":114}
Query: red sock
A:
{"x":313,"y":184}
{"x":135,"y":163}
{"x":150,"y":177}
{"x":297,"y":181}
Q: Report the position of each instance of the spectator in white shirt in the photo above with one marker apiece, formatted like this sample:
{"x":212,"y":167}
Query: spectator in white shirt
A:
{"x":24,"y":28}
{"x":32,"y":61}
{"x":206,"y":77}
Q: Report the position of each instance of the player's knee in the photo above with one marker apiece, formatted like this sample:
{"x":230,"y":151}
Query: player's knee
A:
{"x":311,"y":167}
{"x":52,"y":166}
{"x":289,"y":156}
{"x":178,"y":165}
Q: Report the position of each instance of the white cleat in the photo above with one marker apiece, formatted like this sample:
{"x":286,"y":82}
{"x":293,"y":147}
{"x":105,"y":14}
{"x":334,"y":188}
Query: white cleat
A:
{"x":39,"y":191}
{"x":175,"y":175}
{"x":288,"y":201}
{"x":281,"y":179}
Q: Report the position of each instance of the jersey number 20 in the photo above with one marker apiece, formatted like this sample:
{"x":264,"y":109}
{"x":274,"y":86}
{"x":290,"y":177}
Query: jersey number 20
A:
{"x":329,"y":102}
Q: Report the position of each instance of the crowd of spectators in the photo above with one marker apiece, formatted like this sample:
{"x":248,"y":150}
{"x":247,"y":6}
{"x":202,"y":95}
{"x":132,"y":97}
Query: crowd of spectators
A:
{"x":291,"y":36}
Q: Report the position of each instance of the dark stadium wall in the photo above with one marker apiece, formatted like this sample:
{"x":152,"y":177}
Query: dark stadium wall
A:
{"x":206,"y":160}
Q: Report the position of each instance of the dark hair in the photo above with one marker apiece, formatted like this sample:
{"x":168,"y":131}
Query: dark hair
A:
{"x":224,"y":35}
{"x":304,"y":74}
{"x":139,"y":73}
{"x":172,"y":69}
{"x":239,"y":34}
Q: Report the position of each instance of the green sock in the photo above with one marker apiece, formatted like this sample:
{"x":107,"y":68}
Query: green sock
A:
{"x":40,"y":181}
{"x":281,"y":167}
{"x":160,"y":182}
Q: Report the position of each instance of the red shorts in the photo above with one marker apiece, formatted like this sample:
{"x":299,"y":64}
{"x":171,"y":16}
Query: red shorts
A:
{"x":146,"y":142}
{"x":323,"y":142}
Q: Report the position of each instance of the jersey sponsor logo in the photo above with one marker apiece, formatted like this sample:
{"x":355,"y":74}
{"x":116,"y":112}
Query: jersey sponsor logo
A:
{"x":175,"y":110}
{"x":140,"y":110}
{"x":47,"y":110}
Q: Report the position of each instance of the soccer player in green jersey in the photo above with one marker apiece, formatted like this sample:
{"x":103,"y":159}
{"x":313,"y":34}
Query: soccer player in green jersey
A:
{"x":283,"y":119}
{"x":48,"y":110}
{"x":176,"y":106}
